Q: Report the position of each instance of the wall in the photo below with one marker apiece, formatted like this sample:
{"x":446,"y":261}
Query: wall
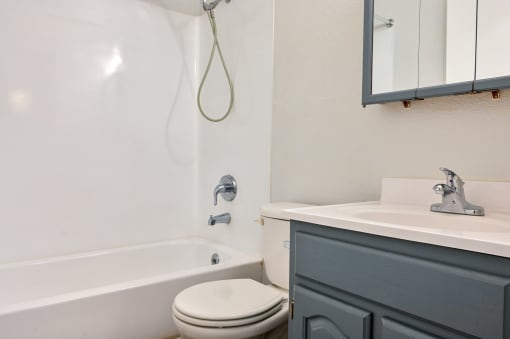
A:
{"x":326,"y":148}
{"x":241,"y":144}
{"x":96,"y":136}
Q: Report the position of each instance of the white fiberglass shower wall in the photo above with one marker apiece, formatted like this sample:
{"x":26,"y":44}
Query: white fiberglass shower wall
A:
{"x":97,"y":125}
{"x":101,"y":143}
{"x":240,"y":145}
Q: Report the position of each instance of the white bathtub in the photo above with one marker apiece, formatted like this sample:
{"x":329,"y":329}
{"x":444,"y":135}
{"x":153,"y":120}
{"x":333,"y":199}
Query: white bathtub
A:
{"x":121,"y":293}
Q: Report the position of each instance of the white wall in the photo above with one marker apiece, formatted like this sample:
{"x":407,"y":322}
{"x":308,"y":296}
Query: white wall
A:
{"x":91,"y":94}
{"x":327,"y":149}
{"x":240,"y":145}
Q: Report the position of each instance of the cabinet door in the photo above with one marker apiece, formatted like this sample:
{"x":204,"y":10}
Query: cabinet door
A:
{"x":320,"y":317}
{"x":395,"y":330}
{"x":493,"y":29}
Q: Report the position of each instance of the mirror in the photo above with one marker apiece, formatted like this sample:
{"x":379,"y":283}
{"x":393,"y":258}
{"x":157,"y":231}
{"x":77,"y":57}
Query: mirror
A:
{"x":418,"y":49}
{"x":447,"y":42}
{"x":493,"y":51}
{"x":395,"y":45}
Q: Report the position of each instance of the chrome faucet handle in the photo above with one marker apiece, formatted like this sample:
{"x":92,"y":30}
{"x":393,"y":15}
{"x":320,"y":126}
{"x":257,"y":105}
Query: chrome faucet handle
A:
{"x":453,"y":180}
{"x":217,"y":190}
{"x":227,"y":188}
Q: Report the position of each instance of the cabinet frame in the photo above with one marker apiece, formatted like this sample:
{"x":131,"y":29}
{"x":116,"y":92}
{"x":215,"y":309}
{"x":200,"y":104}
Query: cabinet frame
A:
{"x":367,"y":98}
{"x":497,"y":325}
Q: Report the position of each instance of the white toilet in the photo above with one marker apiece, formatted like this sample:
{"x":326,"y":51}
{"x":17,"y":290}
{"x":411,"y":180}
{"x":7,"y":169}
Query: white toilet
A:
{"x":243,"y":308}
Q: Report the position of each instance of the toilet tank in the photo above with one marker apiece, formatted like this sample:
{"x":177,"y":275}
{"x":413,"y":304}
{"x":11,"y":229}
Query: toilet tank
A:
{"x":276,"y":241}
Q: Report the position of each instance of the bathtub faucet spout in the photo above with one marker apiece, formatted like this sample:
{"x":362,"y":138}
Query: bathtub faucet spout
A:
{"x":219,"y":219}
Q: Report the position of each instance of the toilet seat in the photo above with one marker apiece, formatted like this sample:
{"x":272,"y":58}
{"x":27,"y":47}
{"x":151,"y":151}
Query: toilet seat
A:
{"x":226,"y":323}
{"x":248,"y":331}
{"x":237,"y":300}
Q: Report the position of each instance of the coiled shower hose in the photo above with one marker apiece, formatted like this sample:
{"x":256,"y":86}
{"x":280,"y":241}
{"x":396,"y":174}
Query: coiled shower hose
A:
{"x":216,"y":46}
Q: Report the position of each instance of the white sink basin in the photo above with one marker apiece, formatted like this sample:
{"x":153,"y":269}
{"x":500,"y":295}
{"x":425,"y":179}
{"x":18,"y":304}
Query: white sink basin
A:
{"x":404,"y":216}
{"x":408,"y":217}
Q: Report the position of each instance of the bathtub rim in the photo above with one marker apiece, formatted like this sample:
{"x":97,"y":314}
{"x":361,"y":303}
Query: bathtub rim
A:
{"x":237,"y":258}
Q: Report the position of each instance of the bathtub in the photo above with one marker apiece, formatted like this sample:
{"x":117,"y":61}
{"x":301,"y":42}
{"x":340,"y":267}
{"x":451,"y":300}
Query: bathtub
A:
{"x":122,"y":293}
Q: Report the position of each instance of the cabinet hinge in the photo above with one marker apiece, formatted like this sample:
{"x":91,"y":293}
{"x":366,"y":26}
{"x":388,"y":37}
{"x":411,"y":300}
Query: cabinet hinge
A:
{"x":292,"y":309}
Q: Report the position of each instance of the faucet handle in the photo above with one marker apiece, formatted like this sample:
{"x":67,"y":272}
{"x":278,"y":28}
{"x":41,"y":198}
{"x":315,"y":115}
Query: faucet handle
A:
{"x":227,"y":188}
{"x":452,"y":179}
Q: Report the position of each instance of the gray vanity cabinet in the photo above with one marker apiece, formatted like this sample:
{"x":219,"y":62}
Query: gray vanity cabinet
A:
{"x":346,"y":284}
{"x":327,"y":318}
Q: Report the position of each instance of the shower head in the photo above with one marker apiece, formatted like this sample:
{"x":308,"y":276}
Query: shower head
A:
{"x":210,"y":5}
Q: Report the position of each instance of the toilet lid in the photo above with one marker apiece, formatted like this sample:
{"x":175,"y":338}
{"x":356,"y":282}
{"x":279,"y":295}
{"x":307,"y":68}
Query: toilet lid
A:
{"x":227,"y":300}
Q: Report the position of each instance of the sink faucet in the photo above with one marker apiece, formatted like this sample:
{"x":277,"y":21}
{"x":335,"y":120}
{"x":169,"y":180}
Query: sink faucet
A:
{"x":454,"y":199}
{"x":224,"y":218}
{"x":227,"y":188}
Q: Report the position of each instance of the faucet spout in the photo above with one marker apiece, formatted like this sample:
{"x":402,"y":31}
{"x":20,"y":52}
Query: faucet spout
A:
{"x":443,"y":189}
{"x":224,"y":218}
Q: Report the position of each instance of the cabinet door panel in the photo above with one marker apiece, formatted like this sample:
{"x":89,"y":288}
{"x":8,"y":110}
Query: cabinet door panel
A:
{"x":320,"y":327}
{"x":455,"y":297}
{"x":394,"y":330}
{"x":319,"y":317}
{"x":493,"y":29}
{"x":447,"y":42}
{"x":395,"y":46}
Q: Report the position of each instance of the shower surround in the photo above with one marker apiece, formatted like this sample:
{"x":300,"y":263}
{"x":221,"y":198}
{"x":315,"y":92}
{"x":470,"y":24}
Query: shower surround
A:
{"x":100,"y":139}
{"x":101,"y":144}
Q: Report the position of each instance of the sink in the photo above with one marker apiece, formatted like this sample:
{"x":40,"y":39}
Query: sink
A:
{"x":413,"y":217}
{"x":407,"y":216}
{"x":404,"y":213}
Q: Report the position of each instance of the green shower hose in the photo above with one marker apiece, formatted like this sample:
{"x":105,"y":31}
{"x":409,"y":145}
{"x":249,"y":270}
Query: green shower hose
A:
{"x":216,"y":46}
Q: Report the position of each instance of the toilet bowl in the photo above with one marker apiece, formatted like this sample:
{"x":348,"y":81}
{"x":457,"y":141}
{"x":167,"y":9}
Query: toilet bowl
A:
{"x":243,"y":308}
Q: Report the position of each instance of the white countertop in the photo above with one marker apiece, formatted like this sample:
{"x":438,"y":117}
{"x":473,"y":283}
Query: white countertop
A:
{"x":397,"y":218}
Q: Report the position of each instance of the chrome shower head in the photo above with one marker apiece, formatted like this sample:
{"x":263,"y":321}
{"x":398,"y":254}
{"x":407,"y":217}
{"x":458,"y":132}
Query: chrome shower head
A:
{"x":210,"y":5}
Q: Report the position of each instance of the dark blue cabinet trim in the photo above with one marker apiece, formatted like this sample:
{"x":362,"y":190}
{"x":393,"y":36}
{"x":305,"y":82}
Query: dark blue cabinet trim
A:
{"x":492,"y":84}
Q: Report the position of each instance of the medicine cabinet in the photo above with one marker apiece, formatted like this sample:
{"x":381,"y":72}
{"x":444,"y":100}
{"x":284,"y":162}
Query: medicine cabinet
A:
{"x":416,"y":49}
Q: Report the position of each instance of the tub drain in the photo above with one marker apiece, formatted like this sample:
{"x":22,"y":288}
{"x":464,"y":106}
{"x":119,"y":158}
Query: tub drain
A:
{"x":215,"y":259}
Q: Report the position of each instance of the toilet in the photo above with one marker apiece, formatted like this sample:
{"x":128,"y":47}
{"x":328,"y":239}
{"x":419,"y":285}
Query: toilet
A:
{"x":243,"y":308}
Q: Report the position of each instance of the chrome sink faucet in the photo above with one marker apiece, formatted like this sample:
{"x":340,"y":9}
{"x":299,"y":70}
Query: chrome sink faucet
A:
{"x":224,"y":218}
{"x":454,"y":199}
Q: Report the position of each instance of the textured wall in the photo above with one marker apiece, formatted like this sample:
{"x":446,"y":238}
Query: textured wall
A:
{"x":326,"y":148}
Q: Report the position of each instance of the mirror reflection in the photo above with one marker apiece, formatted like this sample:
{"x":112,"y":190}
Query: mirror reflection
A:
{"x":447,"y":42}
{"x":424,"y":43}
{"x":493,"y":50}
{"x":395,"y":45}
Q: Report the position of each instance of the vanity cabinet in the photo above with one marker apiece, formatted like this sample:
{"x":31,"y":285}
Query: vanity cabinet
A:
{"x":346,"y":284}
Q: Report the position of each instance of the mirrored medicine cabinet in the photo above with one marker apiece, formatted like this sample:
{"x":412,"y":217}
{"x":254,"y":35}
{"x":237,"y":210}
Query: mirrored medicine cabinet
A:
{"x":416,"y":49}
